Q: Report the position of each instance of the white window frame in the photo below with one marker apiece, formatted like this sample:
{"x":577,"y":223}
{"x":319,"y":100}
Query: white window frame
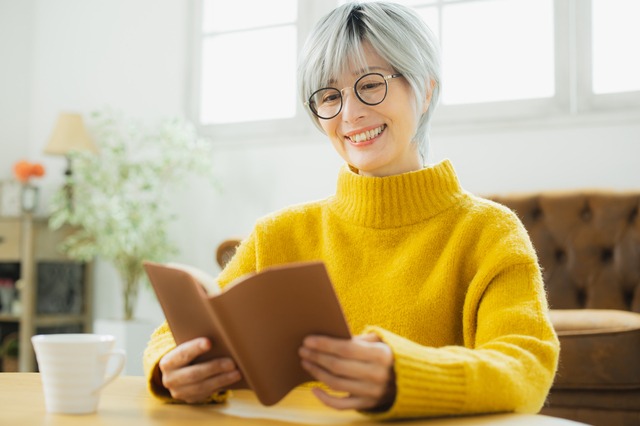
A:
{"x":573,"y":103}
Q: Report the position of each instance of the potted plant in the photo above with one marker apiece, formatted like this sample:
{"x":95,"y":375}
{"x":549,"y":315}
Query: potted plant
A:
{"x":117,"y":198}
{"x":9,"y":352}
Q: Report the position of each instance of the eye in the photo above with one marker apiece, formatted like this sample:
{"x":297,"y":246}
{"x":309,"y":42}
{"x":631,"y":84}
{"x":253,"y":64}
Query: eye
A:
{"x":370,"y":83}
{"x":330,"y":97}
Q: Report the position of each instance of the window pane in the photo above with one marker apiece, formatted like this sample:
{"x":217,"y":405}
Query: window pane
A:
{"x":245,"y":79}
{"x":226,"y":15}
{"x":616,"y":34}
{"x":497,"y":50}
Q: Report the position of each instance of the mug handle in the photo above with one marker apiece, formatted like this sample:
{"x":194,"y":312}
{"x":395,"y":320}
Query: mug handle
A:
{"x":121,"y":357}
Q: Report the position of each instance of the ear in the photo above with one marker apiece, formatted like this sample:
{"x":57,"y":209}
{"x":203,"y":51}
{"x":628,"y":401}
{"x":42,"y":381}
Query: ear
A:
{"x":427,"y":102}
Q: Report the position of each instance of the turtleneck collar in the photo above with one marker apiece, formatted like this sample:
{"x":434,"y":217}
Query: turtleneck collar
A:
{"x":398,"y":200}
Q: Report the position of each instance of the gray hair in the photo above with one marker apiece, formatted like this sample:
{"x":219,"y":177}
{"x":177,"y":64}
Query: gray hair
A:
{"x":395,"y":32}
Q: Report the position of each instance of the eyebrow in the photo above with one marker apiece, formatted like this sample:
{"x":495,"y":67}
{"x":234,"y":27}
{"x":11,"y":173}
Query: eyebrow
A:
{"x":361,"y":71}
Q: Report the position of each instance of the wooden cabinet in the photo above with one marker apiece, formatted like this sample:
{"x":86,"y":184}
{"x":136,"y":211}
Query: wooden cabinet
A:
{"x":54,"y":293}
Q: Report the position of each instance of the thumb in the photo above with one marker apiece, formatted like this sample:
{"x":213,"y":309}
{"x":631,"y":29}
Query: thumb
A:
{"x":368,"y":337}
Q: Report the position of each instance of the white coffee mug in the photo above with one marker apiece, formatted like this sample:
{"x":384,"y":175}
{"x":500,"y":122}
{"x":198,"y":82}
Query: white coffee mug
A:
{"x":73,"y":369}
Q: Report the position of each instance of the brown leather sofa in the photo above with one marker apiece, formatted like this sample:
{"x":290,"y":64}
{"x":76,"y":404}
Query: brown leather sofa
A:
{"x":588,"y":243}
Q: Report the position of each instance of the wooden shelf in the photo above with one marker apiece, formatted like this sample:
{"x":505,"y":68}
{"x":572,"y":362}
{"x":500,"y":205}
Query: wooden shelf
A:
{"x":9,"y":318}
{"x":29,"y":243}
{"x":56,"y":320}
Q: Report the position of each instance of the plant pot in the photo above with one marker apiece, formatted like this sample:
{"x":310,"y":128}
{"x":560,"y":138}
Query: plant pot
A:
{"x":10,"y":364}
{"x":9,"y":351}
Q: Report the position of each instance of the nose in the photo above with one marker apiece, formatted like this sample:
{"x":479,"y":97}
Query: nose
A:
{"x":352,"y":108}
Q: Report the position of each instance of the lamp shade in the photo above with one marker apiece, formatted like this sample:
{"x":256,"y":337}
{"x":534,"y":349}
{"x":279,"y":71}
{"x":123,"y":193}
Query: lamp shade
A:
{"x":69,"y":135}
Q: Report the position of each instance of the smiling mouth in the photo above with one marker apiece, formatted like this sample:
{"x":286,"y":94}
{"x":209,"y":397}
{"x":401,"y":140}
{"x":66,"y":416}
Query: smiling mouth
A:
{"x":366,"y":136}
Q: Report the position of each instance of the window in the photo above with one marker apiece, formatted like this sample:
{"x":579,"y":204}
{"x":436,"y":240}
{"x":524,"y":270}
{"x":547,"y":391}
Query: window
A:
{"x":503,"y":60}
{"x":248,"y":60}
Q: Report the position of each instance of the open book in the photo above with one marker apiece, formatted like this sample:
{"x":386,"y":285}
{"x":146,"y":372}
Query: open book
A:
{"x":259,"y":320}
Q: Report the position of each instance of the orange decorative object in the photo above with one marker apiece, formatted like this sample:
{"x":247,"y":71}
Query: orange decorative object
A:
{"x":37,"y":170}
{"x":24,"y":170}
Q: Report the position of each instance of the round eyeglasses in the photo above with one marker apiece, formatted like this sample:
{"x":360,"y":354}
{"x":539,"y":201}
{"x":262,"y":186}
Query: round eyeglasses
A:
{"x":371,"y":89}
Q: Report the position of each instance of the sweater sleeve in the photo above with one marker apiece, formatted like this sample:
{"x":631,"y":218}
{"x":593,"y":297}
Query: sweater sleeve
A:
{"x":507,"y":363}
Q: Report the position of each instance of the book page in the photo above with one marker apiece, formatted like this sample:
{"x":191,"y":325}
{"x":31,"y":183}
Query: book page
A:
{"x":205,"y":280}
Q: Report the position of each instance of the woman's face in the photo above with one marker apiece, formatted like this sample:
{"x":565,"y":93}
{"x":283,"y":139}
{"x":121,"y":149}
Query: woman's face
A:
{"x":386,"y":149}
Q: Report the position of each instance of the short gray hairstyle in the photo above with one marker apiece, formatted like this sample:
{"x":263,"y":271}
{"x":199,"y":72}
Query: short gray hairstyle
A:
{"x":395,"y":32}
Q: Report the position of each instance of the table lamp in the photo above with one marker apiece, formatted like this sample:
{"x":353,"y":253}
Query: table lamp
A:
{"x":69,"y":135}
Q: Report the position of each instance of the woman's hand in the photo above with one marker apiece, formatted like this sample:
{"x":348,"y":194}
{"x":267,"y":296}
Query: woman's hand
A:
{"x":196,"y":383}
{"x":361,"y":366}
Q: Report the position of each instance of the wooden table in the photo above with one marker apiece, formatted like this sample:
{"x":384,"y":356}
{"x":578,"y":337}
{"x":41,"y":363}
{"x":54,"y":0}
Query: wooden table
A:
{"x":126,"y":402}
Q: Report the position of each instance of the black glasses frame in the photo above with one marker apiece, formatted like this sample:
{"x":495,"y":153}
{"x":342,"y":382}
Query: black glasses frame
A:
{"x":310,"y":103}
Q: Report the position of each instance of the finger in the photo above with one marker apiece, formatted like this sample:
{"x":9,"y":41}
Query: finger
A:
{"x":197,"y":373}
{"x":347,"y":368}
{"x":344,"y":348}
{"x":369,"y":337}
{"x":352,"y":386}
{"x":357,"y":349}
{"x":344,"y":403}
{"x":202,"y":391}
{"x":184,"y":354}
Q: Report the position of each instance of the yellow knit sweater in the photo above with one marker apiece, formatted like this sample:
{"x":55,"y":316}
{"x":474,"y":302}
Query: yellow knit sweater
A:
{"x":448,"y":280}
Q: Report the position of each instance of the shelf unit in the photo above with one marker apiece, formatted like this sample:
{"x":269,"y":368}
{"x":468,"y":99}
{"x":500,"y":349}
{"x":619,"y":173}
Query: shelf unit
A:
{"x":28,"y":242}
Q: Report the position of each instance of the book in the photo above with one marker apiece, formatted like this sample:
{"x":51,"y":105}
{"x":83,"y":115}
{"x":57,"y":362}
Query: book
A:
{"x":259,"y":320}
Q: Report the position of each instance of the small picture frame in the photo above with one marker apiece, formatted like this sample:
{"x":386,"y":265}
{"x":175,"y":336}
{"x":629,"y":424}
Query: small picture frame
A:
{"x":29,"y":199}
{"x":10,"y":198}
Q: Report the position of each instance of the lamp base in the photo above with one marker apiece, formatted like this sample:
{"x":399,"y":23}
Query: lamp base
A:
{"x":68,"y":186}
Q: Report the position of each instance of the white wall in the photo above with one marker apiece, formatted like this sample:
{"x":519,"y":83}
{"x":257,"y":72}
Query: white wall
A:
{"x":538,"y":158}
{"x":129,"y":55}
{"x":81,"y":55}
{"x":16,"y":53}
{"x":77,"y":55}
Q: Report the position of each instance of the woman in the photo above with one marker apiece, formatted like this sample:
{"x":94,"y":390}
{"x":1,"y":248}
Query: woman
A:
{"x":443,"y":287}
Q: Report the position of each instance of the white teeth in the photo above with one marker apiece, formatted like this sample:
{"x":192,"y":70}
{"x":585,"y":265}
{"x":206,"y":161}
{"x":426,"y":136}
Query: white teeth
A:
{"x":365,"y":136}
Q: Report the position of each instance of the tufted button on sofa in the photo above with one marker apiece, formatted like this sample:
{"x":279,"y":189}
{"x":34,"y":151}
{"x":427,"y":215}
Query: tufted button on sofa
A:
{"x":588,"y":244}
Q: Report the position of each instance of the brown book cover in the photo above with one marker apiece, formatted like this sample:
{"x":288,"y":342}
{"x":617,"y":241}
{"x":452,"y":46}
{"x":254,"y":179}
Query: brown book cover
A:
{"x":259,"y":320}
